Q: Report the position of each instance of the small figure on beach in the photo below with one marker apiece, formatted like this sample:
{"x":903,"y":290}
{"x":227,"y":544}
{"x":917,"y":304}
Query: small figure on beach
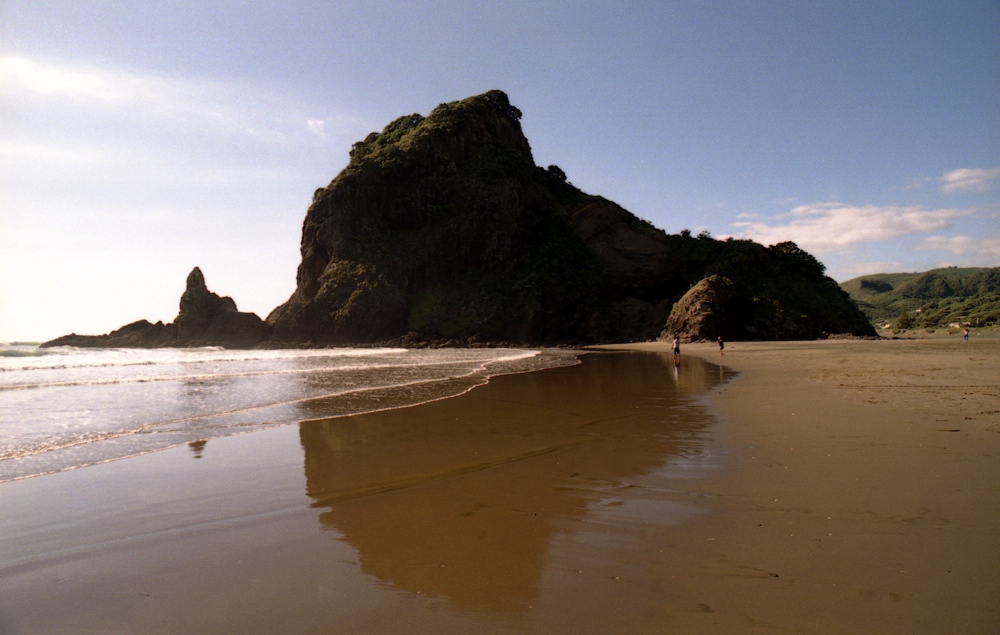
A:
{"x":677,"y":349}
{"x":722,"y":347}
{"x":965,"y":335}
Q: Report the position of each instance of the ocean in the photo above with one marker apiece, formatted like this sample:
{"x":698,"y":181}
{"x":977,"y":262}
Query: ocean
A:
{"x":64,"y":408}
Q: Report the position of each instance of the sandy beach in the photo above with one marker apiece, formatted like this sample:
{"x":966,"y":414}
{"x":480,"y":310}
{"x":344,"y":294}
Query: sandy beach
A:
{"x":824,"y":487}
{"x":863,"y":493}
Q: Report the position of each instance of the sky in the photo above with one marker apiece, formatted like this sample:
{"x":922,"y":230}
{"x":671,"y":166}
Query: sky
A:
{"x":139,"y":140}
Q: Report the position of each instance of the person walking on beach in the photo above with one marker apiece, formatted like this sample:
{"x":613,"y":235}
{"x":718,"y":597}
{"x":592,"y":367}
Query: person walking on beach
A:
{"x":965,"y":335}
{"x":677,"y":349}
{"x":722,"y":347}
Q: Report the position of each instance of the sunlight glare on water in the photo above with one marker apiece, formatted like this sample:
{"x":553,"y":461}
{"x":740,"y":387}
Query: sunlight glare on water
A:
{"x":64,"y":407}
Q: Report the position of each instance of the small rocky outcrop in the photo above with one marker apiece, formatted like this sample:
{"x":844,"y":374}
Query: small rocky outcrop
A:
{"x":141,"y":334}
{"x":701,"y":312}
{"x":204,"y":319}
{"x":751,"y":292}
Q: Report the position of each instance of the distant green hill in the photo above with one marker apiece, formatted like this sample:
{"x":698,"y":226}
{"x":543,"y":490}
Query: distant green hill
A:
{"x":934,"y":298}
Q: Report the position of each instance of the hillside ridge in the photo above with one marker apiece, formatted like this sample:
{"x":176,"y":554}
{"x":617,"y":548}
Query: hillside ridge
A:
{"x":929,"y":299}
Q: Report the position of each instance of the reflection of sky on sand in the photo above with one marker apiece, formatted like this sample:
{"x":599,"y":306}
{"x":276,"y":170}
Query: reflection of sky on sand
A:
{"x":466,"y":498}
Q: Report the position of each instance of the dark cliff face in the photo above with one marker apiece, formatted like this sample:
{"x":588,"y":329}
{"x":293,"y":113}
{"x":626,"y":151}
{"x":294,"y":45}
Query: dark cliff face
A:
{"x":736,"y":289}
{"x":443,"y":227}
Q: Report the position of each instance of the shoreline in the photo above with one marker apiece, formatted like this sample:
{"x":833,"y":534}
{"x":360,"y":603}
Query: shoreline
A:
{"x":341,"y":398}
{"x":477,"y":513}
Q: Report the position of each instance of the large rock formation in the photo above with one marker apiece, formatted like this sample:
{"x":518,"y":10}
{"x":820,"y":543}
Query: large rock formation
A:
{"x":204,"y":319}
{"x":444,"y":228}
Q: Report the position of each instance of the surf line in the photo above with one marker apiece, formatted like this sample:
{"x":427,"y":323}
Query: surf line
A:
{"x":107,"y":436}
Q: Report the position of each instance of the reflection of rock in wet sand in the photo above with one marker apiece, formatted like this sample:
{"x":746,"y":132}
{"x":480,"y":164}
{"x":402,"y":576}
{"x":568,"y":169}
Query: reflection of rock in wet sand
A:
{"x":461,"y":497}
{"x":198,"y":447}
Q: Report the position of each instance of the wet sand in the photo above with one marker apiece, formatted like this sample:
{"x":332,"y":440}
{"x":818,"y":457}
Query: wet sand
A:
{"x":536,"y":503}
{"x":863,"y":493}
{"x":831,"y":487}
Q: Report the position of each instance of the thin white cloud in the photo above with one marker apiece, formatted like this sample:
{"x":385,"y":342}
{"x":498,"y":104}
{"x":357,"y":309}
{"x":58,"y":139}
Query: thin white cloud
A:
{"x":25,"y":80}
{"x":969,"y":180}
{"x":132,"y":141}
{"x":834,"y":227}
{"x":17,"y":73}
{"x":316,"y":126}
{"x":64,"y":154}
{"x":855,"y":269}
{"x":150,"y":100}
{"x":976,"y":248}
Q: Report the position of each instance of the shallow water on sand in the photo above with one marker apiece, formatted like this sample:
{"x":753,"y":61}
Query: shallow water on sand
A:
{"x":64,"y":407}
{"x":537,"y":503}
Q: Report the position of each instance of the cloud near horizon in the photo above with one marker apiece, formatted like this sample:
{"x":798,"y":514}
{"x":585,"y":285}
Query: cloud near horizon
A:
{"x":863,"y":268}
{"x":979,"y":248}
{"x":834,"y":227}
{"x":969,"y":180}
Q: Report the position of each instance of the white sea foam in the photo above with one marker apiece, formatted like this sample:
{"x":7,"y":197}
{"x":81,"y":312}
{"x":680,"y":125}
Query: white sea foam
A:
{"x":30,"y":357}
{"x":62,"y":408}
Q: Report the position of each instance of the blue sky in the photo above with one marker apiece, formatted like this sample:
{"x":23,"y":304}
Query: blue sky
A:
{"x":138,"y":140}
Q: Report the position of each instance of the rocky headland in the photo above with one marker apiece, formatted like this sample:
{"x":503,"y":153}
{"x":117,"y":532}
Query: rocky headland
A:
{"x":204,"y":319}
{"x":442,"y":229}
